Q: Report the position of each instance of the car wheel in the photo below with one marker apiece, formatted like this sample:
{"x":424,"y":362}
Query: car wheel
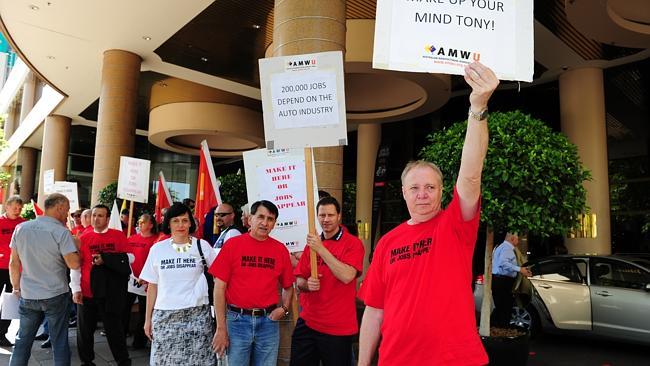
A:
{"x":526,"y":318}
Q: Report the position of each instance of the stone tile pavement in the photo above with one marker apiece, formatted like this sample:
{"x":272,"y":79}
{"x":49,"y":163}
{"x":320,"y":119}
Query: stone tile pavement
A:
{"x":43,"y":357}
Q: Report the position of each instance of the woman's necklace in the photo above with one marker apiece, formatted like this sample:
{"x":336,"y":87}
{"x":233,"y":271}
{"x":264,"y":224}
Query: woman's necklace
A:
{"x":182,"y":248}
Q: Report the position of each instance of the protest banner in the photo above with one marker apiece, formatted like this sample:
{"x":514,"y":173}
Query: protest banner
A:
{"x":279,"y":176}
{"x":133,"y":181}
{"x":303,"y":99}
{"x":68,"y":189}
{"x":442,"y":36}
{"x":48,"y":181}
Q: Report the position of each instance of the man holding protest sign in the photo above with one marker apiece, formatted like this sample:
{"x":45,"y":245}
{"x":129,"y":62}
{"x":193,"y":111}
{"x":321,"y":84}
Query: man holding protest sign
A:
{"x":417,"y":292}
{"x":328,"y":321}
{"x":100,"y":287}
{"x":246,"y":277}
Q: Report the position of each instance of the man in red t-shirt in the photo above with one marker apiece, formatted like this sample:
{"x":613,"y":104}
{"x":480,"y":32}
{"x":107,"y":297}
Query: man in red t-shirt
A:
{"x":13,"y":206}
{"x":328,"y":321}
{"x":247,"y":273}
{"x":94,"y":244}
{"x":417,"y":291}
{"x":78,"y":226}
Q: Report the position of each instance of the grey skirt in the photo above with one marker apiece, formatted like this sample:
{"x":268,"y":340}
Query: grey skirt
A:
{"x":182,"y":337}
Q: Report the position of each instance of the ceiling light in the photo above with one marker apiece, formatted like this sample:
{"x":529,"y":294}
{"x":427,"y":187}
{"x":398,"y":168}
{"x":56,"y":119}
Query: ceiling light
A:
{"x":204,"y":59}
{"x":34,"y":7}
{"x":146,"y":38}
{"x":256,"y":26}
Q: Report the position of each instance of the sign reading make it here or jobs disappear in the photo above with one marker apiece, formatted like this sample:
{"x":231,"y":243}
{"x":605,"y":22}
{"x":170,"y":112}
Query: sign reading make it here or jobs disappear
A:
{"x":303,"y":98}
{"x":279,"y":176}
{"x":133,"y":182}
{"x":68,"y":189}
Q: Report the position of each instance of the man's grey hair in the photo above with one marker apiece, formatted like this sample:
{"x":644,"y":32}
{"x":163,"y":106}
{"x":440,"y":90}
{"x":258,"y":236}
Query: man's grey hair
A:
{"x":55,"y":199}
{"x":14,"y":199}
{"x":420,"y":164}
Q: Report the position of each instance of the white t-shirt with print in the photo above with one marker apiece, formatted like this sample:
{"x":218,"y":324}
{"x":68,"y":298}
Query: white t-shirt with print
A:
{"x":179,"y":276}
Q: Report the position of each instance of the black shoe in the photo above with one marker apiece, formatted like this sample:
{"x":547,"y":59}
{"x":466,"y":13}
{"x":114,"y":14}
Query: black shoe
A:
{"x":72,"y":323}
{"x":42,"y":337}
{"x":46,"y":344}
{"x":4,"y":342}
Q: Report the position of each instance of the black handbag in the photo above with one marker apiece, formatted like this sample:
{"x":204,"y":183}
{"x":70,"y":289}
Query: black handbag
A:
{"x":208,"y":277}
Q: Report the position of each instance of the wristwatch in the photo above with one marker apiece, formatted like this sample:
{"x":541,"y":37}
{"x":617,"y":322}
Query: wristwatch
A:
{"x":480,"y":116}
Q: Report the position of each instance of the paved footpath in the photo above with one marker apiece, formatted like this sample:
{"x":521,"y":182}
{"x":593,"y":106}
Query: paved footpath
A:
{"x":102,"y":352}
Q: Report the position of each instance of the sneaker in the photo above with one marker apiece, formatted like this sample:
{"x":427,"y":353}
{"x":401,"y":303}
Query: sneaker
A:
{"x":72,"y":323}
{"x":4,"y":342}
{"x":46,"y":344}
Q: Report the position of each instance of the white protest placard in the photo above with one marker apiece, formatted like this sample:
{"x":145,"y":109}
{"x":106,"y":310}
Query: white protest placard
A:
{"x":68,"y":189}
{"x":48,"y":181}
{"x":133,"y":182}
{"x":303,"y":98}
{"x":443,"y":36}
{"x":279,"y":176}
{"x":135,"y":287}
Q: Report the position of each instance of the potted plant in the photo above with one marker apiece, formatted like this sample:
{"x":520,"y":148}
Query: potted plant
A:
{"x":532,"y":182}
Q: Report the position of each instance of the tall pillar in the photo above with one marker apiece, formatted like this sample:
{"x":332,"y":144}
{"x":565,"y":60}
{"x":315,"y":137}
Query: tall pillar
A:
{"x":27,"y":163}
{"x":29,"y":89}
{"x":116,"y":120}
{"x":309,"y":26}
{"x":11,"y":122}
{"x":368,"y":140}
{"x":56,"y":143}
{"x":582,"y":112}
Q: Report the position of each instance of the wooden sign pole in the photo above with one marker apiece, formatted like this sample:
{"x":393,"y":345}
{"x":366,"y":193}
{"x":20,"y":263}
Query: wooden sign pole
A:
{"x":309,"y":174}
{"x":128,"y":233}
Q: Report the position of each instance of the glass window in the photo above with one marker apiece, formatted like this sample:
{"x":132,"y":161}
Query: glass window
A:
{"x":562,"y":270}
{"x":618,"y":274}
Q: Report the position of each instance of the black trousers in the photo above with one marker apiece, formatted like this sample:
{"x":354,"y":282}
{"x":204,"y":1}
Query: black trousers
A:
{"x":5,"y":281}
{"x":503,"y":300}
{"x":139,"y":339}
{"x":87,"y":316}
{"x":309,"y":347}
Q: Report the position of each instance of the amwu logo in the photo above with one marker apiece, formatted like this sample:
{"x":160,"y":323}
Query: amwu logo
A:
{"x":450,"y":53}
{"x":301,"y":64}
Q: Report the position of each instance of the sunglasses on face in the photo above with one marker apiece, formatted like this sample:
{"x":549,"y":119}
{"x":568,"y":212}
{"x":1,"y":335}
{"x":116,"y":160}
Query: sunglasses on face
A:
{"x":222,"y":214}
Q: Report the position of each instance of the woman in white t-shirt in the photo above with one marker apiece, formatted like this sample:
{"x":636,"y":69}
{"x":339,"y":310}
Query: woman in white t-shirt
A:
{"x":178,"y":319}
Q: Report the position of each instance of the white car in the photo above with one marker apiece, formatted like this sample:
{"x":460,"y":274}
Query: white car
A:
{"x":601,"y":295}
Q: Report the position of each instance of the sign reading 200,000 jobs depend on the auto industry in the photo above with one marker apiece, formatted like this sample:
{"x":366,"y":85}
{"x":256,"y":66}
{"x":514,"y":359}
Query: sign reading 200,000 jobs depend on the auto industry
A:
{"x":303,"y":98}
{"x":442,"y":36}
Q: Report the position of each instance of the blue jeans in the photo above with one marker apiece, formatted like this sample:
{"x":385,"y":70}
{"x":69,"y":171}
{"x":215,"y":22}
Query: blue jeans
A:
{"x":32,"y":312}
{"x":254,"y":340}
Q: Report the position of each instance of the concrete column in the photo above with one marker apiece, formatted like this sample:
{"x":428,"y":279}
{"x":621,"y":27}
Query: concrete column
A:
{"x":11,"y":123}
{"x":56,"y":144}
{"x":368,"y":140}
{"x":309,"y":26}
{"x":117,"y":116}
{"x":7,"y":188}
{"x":29,"y":89}
{"x":582,"y":113}
{"x":27,"y":163}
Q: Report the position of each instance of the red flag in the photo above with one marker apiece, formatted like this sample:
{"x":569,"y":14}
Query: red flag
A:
{"x":207,"y":191}
{"x":37,"y":210}
{"x":163,"y":198}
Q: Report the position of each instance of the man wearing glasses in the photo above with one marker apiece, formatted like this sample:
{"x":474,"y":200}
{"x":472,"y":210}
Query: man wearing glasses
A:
{"x":225,"y":216}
